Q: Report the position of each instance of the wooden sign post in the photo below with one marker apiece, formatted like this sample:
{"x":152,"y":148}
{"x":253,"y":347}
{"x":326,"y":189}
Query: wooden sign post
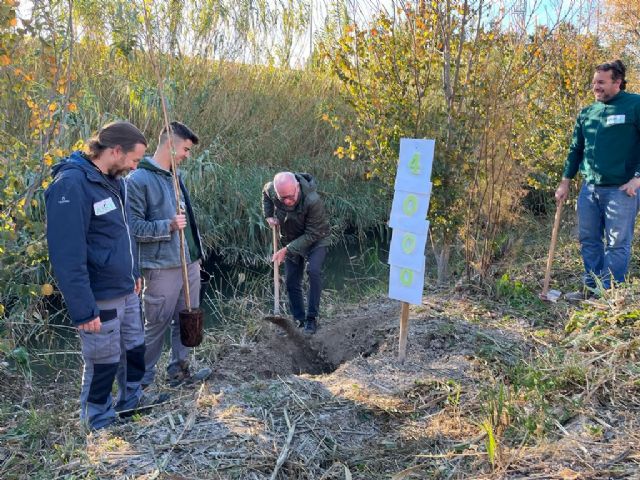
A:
{"x":410,"y":229}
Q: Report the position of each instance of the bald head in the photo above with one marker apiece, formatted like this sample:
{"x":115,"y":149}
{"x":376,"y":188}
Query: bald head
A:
{"x":287,"y":188}
{"x":284,"y":179}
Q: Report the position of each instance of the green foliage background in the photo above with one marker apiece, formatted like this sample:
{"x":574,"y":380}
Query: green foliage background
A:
{"x":500,"y":104}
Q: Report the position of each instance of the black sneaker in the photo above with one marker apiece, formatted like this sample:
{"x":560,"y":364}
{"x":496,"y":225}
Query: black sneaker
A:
{"x":184,"y":377}
{"x":310,"y":326}
{"x":145,"y":404}
{"x":299,"y":322}
{"x":200,"y":376}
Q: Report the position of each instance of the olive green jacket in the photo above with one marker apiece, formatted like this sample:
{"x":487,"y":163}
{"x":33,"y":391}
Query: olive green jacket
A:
{"x":304,"y":225}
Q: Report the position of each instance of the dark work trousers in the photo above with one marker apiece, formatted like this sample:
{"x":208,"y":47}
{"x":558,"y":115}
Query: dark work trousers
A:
{"x":294,"y":271}
{"x":116,"y":352}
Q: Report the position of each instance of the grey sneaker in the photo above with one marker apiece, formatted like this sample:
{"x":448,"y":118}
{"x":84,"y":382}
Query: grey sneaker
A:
{"x":184,"y":377}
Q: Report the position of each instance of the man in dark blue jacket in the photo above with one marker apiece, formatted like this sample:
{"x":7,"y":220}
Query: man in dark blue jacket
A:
{"x":91,"y":252}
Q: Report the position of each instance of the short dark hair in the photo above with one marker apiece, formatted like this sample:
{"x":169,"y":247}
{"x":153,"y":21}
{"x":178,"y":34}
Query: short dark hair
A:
{"x":180,"y":130}
{"x":121,"y":133}
{"x":617,"y":70}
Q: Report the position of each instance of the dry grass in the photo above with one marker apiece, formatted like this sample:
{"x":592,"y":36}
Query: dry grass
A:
{"x":493,"y":387}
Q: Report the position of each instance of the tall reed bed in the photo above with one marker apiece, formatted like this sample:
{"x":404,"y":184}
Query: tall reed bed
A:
{"x":228,"y":201}
{"x":244,"y":113}
{"x":252,"y":121}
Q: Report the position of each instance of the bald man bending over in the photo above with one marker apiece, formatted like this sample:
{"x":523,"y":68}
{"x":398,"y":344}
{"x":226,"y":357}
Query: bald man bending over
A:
{"x":292,"y":202}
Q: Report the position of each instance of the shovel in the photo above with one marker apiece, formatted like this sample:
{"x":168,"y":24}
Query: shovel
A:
{"x":276,"y":318}
{"x":552,"y":295}
{"x":191,"y":320}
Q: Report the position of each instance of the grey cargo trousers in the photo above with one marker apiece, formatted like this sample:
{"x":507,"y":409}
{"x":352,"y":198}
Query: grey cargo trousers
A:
{"x":163,"y":299}
{"x":115,"y":352}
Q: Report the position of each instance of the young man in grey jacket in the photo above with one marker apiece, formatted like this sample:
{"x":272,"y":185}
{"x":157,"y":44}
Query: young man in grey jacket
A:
{"x":156,"y":225}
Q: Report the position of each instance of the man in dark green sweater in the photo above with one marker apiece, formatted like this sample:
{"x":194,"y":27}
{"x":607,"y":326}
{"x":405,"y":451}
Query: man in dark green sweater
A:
{"x":606,"y":150}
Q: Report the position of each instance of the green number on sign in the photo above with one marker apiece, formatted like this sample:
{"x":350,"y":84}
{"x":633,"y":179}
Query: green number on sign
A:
{"x":414,"y":164}
{"x":408,"y":243}
{"x":406,"y":277}
{"x":410,"y":205}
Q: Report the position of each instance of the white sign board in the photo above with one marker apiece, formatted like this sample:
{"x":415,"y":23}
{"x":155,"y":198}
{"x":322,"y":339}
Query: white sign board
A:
{"x":414,"y":166}
{"x":407,"y":249}
{"x":408,"y":220}
{"x":406,"y":284}
{"x":409,"y":210}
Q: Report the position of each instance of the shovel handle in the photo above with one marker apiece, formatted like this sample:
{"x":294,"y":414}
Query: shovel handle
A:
{"x":276,"y":273}
{"x":552,"y":248}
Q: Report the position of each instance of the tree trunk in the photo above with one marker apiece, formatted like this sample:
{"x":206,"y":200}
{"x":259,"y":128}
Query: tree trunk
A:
{"x":442,"y":262}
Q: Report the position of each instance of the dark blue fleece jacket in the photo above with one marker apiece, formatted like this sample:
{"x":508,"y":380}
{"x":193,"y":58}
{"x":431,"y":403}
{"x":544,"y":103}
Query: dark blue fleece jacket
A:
{"x":90,"y":246}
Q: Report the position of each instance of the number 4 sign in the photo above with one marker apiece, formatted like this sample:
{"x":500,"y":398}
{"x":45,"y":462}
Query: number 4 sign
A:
{"x":414,"y":166}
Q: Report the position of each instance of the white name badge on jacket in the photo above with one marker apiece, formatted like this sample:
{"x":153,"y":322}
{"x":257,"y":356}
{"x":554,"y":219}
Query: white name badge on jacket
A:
{"x":615,"y":119}
{"x":104,"y":206}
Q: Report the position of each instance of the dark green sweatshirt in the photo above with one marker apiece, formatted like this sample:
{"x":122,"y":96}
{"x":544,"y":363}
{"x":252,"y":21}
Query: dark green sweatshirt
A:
{"x":606,"y":141}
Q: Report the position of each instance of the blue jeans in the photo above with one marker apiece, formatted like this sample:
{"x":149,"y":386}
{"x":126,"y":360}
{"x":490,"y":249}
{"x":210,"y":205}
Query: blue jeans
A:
{"x":606,"y":218}
{"x":294,"y":271}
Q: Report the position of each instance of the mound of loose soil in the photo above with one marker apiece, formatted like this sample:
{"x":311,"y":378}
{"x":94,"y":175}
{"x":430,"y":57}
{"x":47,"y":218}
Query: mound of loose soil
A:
{"x":337,"y":341}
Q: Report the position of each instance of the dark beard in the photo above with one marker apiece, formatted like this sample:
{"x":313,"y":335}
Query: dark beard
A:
{"x":118,"y":173}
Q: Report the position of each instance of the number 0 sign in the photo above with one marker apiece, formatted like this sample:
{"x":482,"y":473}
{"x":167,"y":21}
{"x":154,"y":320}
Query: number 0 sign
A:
{"x":407,"y":248}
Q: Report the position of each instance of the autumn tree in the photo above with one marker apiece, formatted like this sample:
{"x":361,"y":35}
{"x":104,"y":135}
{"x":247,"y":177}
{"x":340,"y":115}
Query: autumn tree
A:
{"x":620,"y":20}
{"x":462,"y":73}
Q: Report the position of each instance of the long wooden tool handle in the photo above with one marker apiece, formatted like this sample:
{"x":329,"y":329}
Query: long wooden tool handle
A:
{"x":276,"y":274}
{"x":174,"y":168}
{"x":552,"y":248}
{"x":183,"y":252}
